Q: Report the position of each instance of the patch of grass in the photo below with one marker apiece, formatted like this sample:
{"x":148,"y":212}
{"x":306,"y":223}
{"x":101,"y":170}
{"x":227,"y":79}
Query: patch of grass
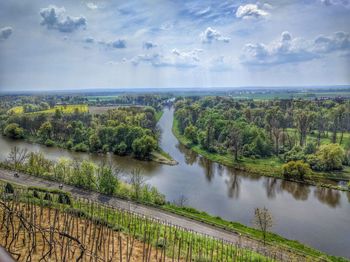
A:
{"x":15,"y":110}
{"x":66,"y":109}
{"x":163,"y":157}
{"x":271,"y":238}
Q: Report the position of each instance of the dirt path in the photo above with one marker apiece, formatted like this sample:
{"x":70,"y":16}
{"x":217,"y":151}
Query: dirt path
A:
{"x":166,"y":217}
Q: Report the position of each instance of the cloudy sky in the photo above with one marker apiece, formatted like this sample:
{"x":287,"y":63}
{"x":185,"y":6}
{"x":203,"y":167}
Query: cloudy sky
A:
{"x":64,"y":44}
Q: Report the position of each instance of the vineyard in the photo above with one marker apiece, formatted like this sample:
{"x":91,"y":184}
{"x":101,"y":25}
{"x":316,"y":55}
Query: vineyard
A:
{"x":49,"y":225}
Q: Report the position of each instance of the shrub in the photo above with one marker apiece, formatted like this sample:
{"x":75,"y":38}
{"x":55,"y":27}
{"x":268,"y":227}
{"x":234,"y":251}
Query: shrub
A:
{"x":47,"y":196}
{"x":9,"y":188}
{"x":328,"y":157}
{"x":296,"y":169}
{"x":49,"y":142}
{"x":296,"y":153}
{"x":36,"y":194}
{"x":14,"y":131}
{"x":120,"y":149}
{"x":81,"y":147}
{"x":64,"y":199}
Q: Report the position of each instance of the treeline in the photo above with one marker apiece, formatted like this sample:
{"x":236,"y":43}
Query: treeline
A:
{"x":124,"y":131}
{"x":103,"y":178}
{"x":315,"y":133}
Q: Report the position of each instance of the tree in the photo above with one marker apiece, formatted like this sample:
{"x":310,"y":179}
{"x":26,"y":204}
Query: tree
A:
{"x":45,"y":131}
{"x":14,"y":131}
{"x":137,"y":181}
{"x":234,"y":140}
{"x":330,"y":157}
{"x":107,"y":181}
{"x":17,"y":157}
{"x":303,"y":120}
{"x":263,"y":220}
{"x":142,"y":147}
{"x":191,"y":133}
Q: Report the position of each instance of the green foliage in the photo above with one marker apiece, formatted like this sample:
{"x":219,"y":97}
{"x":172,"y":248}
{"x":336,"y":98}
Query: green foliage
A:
{"x":296,"y":153}
{"x":9,"y":188}
{"x":296,"y":169}
{"x":81,"y":147}
{"x":107,"y":182}
{"x":120,"y":149}
{"x":329,"y":157}
{"x":191,"y":133}
{"x":14,"y":131}
{"x":142,"y":147}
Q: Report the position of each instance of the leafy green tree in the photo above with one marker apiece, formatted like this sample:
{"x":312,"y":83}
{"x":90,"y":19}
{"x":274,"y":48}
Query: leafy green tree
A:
{"x":14,"y":131}
{"x":45,"y":131}
{"x":143,"y":147}
{"x":107,"y":181}
{"x":330,"y":157}
{"x":303,"y":120}
{"x":191,"y":133}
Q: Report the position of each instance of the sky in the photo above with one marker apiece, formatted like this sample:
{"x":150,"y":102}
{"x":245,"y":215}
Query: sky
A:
{"x":64,"y":44}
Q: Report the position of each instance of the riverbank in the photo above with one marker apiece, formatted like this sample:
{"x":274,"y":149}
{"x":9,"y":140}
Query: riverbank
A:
{"x":271,"y":167}
{"x":189,"y":218}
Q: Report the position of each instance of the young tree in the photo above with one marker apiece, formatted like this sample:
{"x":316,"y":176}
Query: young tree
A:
{"x":263,"y":220}
{"x":137,"y":181}
{"x":235,"y":140}
{"x":303,"y":120}
{"x":17,"y":156}
{"x":107,"y":181}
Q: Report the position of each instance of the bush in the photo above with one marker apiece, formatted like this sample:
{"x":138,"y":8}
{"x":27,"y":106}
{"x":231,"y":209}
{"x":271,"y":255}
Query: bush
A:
{"x":310,"y":148}
{"x":47,"y":196}
{"x":36,"y":194}
{"x":328,"y":157}
{"x":120,"y":149}
{"x":49,"y":142}
{"x":81,"y":147}
{"x":296,"y":169}
{"x":14,"y":131}
{"x":296,"y":153}
{"x":64,"y":199}
{"x":9,"y":188}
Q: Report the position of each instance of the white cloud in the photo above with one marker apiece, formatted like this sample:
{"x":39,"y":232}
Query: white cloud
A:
{"x":5,"y":32}
{"x":285,"y":50}
{"x":344,"y":3}
{"x":339,"y":41}
{"x":178,"y":59}
{"x":92,"y":6}
{"x":210,"y":35}
{"x":119,"y":43}
{"x":54,"y":17}
{"x":220,"y":64}
{"x":149,"y":45}
{"x":290,"y":50}
{"x":251,"y":11}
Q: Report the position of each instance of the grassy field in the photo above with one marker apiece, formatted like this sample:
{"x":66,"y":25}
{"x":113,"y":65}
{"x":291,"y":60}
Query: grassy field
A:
{"x":66,"y":109}
{"x":271,"y":166}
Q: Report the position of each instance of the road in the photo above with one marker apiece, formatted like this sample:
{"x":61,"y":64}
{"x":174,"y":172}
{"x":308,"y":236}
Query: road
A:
{"x":151,"y":212}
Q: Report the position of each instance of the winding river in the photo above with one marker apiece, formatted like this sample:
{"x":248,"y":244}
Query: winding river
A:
{"x":315,"y":216}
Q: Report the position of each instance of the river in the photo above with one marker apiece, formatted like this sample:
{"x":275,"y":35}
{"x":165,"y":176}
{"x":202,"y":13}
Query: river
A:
{"x":315,"y":216}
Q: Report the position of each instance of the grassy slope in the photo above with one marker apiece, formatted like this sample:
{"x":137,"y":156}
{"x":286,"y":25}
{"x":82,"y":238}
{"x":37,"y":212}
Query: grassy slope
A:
{"x":271,"y":238}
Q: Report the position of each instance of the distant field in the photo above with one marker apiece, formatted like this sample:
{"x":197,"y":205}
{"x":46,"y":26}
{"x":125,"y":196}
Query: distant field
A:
{"x":66,"y":109}
{"x":287,"y":95}
{"x":101,"y":98}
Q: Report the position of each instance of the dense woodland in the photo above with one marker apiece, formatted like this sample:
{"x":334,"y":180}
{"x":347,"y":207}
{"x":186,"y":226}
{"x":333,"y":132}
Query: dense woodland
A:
{"x":304,"y":134}
{"x":122,"y":130}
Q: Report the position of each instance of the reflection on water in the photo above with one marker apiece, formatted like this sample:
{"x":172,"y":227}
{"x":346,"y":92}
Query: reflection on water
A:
{"x":316,"y":216}
{"x":328,"y":196}
{"x":298,"y":191}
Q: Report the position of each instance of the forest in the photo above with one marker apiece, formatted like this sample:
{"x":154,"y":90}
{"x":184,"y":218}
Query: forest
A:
{"x":299,"y":136}
{"x":123,"y":130}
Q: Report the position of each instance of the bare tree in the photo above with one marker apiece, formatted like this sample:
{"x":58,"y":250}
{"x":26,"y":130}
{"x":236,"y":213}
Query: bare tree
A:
{"x":263,"y":220}
{"x":137,"y":181}
{"x":17,"y":156}
{"x":181,"y":201}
